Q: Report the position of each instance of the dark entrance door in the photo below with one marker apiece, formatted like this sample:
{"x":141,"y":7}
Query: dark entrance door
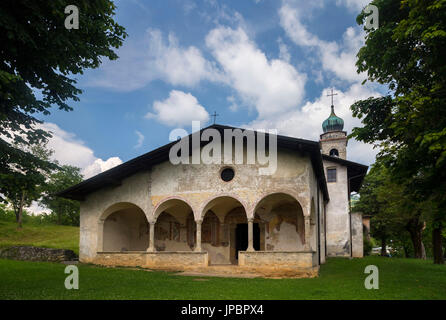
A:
{"x":241,"y":237}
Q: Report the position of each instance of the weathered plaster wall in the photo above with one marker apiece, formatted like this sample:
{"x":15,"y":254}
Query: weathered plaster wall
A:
{"x":338,"y":224}
{"x":197,"y":185}
{"x":126,"y":230}
{"x":357,"y":235}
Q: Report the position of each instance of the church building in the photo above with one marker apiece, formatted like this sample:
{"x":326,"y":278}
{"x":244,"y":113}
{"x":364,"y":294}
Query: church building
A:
{"x":150,"y":212}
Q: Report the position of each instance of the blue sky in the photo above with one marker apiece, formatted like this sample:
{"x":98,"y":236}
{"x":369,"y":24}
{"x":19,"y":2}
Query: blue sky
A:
{"x":258,"y":64}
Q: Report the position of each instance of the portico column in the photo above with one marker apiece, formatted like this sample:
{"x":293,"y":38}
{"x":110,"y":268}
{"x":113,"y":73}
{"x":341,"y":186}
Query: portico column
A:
{"x":151,"y":247}
{"x":250,"y":235}
{"x":307,"y":233}
{"x":198,"y":244}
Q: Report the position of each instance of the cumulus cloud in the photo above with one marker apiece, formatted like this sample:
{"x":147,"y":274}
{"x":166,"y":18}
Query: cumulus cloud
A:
{"x":179,"y":109}
{"x":267,"y":85}
{"x":153,"y":57}
{"x":306,"y":122}
{"x":69,"y":150}
{"x":100,"y":165}
{"x":338,"y":58}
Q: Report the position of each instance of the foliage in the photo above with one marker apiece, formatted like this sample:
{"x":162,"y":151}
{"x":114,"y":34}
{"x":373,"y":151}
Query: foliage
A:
{"x":367,"y":246}
{"x":407,"y":53}
{"x":21,"y":188}
{"x":38,"y":60}
{"x":66,"y":211}
{"x":396,"y":215}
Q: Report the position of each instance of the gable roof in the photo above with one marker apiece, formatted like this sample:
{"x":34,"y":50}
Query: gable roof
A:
{"x":355,"y":171}
{"x":115,"y":175}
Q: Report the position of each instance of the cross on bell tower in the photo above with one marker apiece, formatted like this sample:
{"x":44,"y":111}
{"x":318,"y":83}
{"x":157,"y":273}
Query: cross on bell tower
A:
{"x":215,"y":115}
{"x":332,"y":95}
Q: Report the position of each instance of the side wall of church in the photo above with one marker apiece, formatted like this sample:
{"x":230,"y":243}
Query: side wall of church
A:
{"x":337,"y":212}
{"x":196,"y":184}
{"x":318,"y":220}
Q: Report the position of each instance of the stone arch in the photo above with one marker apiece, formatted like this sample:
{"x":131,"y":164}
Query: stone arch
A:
{"x":232,"y":202}
{"x":303,"y":203}
{"x":169,"y":203}
{"x":283,"y":217}
{"x":217,"y":210}
{"x":334,"y":152}
{"x":123,"y":226}
{"x":172,"y":225}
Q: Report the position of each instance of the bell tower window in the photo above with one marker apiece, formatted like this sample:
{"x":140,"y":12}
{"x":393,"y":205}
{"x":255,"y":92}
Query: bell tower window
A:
{"x":334,"y":153}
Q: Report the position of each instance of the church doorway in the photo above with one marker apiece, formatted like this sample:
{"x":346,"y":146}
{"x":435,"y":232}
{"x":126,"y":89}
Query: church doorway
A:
{"x":241,"y":238}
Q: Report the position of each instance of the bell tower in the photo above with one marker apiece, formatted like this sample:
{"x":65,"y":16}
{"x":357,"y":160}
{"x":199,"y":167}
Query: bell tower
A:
{"x":334,"y":140}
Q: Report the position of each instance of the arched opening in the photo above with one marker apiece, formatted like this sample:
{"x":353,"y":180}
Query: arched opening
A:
{"x":125,"y":228}
{"x":334,"y":153}
{"x":224,"y":230}
{"x":175,"y":226}
{"x":284,"y":222}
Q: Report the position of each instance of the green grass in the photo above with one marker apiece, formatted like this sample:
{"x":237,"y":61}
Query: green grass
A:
{"x":339,"y":279}
{"x":39,"y":235}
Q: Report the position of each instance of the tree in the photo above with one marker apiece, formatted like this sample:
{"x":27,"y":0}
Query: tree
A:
{"x":381,"y":223}
{"x":393,"y":211}
{"x":38,"y":60}
{"x":407,"y":53}
{"x":24,"y":183}
{"x":67,"y":211}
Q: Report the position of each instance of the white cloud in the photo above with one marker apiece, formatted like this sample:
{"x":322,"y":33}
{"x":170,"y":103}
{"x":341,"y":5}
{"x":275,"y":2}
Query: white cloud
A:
{"x":140,"y":139}
{"x":152,"y":57}
{"x":306,"y":122}
{"x":284,"y":54}
{"x":267,"y":85}
{"x":178,"y":109}
{"x":70,"y":150}
{"x":338,"y":58}
{"x":100,"y":165}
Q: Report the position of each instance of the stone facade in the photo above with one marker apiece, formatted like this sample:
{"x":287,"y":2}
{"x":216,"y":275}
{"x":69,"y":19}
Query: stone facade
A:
{"x":174,"y":201}
{"x":186,"y":216}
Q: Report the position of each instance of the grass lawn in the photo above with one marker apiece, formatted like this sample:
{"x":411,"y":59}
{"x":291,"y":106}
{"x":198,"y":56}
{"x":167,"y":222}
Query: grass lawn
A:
{"x":39,"y":235}
{"x":339,"y":279}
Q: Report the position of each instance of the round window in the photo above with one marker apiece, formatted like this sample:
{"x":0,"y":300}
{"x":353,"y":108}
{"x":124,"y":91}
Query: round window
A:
{"x":227,"y":174}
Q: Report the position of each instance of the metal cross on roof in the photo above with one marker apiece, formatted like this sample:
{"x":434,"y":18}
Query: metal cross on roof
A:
{"x":331,"y":95}
{"x":214,"y":116}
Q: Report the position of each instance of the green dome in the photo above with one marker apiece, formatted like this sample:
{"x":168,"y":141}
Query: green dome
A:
{"x":333,"y":123}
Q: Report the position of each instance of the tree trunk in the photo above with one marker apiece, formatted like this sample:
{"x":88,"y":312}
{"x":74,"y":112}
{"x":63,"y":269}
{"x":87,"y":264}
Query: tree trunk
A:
{"x":20,"y":216}
{"x":415,"y":228}
{"x":423,"y":251}
{"x":16,"y":212}
{"x":437,"y":243}
{"x":406,"y":251}
{"x":383,"y":247}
